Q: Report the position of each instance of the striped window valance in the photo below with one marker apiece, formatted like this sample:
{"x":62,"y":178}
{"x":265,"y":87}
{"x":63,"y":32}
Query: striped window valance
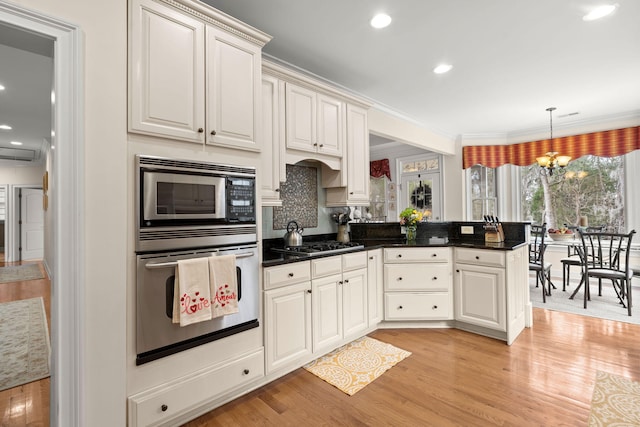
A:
{"x":608,"y":143}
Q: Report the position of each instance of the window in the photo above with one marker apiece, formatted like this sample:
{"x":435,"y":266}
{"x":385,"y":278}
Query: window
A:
{"x":378,"y":198}
{"x":590,"y":192}
{"x":482,"y":185}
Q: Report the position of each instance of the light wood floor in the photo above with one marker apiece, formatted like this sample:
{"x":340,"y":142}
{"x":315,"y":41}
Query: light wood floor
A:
{"x":454,"y":378}
{"x":26,"y":405}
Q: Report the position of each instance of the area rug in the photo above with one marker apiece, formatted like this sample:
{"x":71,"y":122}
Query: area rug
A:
{"x":353,"y":366}
{"x":603,"y":307}
{"x":615,"y":401}
{"x":24,"y":342}
{"x":18,"y":273}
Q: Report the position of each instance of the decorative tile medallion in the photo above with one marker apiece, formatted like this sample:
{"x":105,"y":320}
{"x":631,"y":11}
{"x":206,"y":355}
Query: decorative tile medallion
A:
{"x":299,"y":197}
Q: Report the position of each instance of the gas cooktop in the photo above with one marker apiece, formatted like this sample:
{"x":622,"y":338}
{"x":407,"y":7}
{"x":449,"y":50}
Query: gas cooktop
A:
{"x":319,"y":248}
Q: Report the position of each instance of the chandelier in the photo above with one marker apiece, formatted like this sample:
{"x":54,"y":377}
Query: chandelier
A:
{"x":552,"y":161}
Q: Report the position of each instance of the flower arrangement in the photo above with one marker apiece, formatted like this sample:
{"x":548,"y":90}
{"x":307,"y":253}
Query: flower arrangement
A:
{"x":410,"y":217}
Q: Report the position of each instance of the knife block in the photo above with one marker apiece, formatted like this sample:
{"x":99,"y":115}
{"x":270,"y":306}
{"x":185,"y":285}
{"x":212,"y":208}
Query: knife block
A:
{"x":494,"y":234}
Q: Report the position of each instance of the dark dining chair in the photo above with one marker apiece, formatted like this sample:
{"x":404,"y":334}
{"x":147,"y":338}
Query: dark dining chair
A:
{"x":605,"y":256}
{"x":537,"y":247}
{"x":573,"y":259}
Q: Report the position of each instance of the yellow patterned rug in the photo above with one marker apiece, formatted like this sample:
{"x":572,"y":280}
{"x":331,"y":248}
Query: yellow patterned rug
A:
{"x":351,"y":367}
{"x":615,"y":401}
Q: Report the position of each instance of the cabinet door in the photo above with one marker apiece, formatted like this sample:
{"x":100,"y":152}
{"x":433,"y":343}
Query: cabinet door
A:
{"x":301,"y":118}
{"x":287,"y":325}
{"x":357,"y":156}
{"x":166,"y":73}
{"x":480,"y":296}
{"x":330,"y":125}
{"x":354,"y":302}
{"x":234,"y":73}
{"x":272,"y":156}
{"x":327,"y":312}
{"x":374,"y":286}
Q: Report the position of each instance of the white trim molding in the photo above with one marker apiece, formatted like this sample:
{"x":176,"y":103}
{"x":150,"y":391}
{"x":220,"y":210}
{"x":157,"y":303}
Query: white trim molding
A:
{"x":66,"y":176}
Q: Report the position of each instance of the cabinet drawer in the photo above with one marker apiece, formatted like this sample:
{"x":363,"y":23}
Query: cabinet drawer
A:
{"x":168,"y":401}
{"x":354,"y":261}
{"x":326,"y":266}
{"x":417,"y":306}
{"x":288,"y":274}
{"x":417,"y":277}
{"x":396,"y":255}
{"x":480,"y":257}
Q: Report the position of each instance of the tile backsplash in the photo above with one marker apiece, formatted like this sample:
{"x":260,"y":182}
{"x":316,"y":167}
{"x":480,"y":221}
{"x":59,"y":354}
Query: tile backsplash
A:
{"x":299,"y":195}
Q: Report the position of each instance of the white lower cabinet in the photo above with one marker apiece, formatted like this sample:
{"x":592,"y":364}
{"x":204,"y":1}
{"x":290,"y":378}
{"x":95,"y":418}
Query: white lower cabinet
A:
{"x":312,"y":307}
{"x":492,"y":291}
{"x":167,"y":403}
{"x":287,"y":314}
{"x":418,"y":284}
{"x":354,"y":302}
{"x":339,"y":299}
{"x":327,"y":311}
{"x":480,"y":296}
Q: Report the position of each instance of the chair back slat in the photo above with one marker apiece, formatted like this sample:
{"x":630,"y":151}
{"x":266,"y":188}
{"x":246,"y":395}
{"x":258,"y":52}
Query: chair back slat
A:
{"x":603,"y":250}
{"x":536,"y":244}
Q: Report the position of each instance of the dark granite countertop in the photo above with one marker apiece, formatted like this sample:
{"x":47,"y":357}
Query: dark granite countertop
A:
{"x":273,"y":259}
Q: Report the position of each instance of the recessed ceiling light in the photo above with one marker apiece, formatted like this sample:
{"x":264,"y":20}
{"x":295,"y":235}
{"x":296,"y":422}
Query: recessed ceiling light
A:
{"x":600,"y":12}
{"x":5,"y":127}
{"x":442,"y":68}
{"x":1,"y":87}
{"x":381,"y":20}
{"x":16,"y":143}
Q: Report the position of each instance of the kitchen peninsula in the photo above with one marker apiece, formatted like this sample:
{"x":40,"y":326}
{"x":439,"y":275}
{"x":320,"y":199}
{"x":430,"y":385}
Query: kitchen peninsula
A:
{"x":450,"y":278}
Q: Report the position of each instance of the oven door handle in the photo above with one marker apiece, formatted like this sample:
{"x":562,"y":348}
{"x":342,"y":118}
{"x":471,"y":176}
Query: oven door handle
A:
{"x":152,"y":266}
{"x":244,"y":254}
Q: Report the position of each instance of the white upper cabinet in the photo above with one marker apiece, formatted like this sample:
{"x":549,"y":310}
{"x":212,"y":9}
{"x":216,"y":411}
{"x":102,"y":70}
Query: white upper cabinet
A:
{"x":272,"y":157}
{"x":315,"y":122}
{"x":233,"y":91}
{"x":191,"y":80}
{"x":166,"y":72}
{"x":357,"y":155}
{"x":356,"y":160}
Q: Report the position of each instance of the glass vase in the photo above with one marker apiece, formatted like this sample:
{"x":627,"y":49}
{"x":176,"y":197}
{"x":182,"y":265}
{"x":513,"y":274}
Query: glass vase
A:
{"x":411,"y":232}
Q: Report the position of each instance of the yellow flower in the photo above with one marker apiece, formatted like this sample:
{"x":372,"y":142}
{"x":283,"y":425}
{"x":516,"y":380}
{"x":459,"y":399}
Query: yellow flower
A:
{"x":410,"y":216}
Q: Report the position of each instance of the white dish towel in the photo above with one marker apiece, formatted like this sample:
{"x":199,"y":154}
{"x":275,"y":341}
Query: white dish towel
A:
{"x":224,"y":285}
{"x":192,"y":293}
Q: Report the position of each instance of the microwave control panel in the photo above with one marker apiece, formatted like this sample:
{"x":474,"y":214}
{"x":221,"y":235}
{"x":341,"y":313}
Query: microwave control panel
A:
{"x":241,"y":199}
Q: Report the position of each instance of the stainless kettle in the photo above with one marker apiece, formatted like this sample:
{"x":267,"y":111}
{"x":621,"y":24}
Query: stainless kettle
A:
{"x":293,"y":237}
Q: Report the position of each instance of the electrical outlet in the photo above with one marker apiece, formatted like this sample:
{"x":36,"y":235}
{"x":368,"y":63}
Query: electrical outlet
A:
{"x":466,"y":229}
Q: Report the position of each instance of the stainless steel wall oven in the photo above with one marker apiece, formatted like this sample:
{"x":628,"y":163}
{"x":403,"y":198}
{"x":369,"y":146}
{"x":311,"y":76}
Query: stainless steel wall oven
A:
{"x":191,"y":209}
{"x":184,"y":204}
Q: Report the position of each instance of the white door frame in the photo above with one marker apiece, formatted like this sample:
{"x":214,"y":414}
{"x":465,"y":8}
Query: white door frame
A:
{"x":66,"y":208}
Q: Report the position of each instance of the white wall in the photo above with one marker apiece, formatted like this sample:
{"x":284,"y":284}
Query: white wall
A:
{"x":21,"y":174}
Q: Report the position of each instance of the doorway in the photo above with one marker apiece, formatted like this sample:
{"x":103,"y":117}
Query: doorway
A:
{"x":30,"y":224}
{"x":65,"y":165}
{"x":420,"y":185}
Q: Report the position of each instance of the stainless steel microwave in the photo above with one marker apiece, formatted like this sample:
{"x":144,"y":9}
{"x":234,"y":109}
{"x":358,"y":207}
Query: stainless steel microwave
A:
{"x":189,"y":204}
{"x":177,"y":196}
